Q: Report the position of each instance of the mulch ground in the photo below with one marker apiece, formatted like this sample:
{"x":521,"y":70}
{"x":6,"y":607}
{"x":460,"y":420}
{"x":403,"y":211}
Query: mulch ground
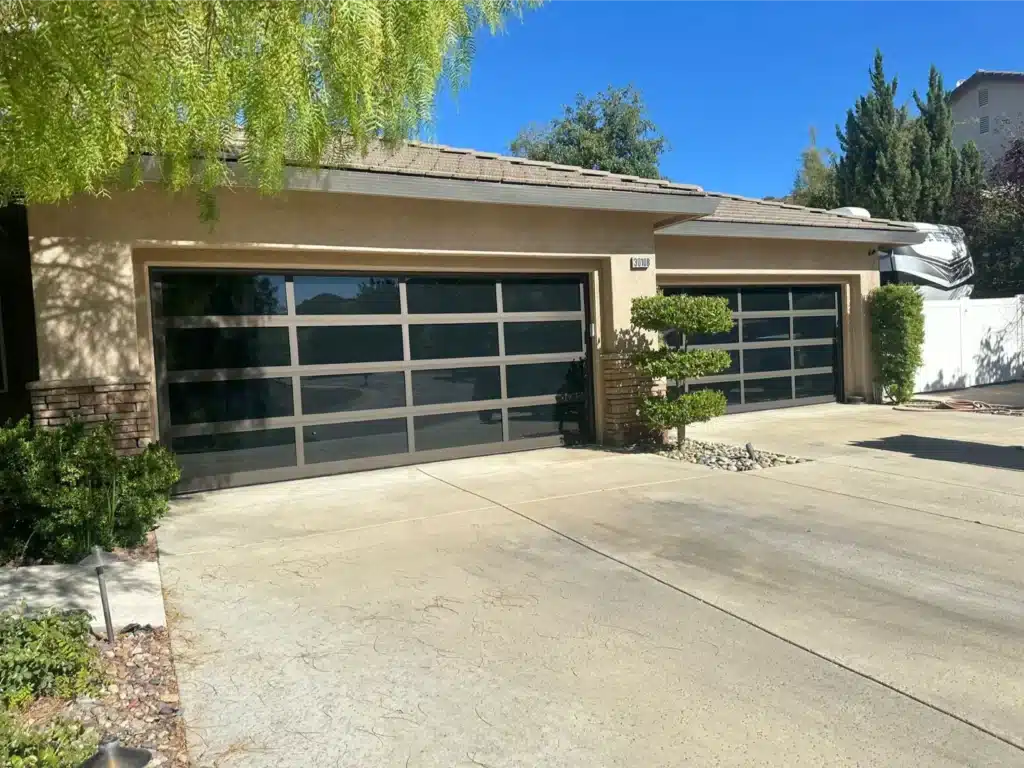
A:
{"x":139,"y":706}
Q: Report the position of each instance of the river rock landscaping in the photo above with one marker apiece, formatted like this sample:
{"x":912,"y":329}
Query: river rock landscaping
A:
{"x":732,"y":458}
{"x":66,"y":690}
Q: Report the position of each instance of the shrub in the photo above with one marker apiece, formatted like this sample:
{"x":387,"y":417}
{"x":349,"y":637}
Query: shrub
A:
{"x":46,"y":655}
{"x":897,"y":336}
{"x":58,"y":745}
{"x":686,"y":316}
{"x":65,"y":490}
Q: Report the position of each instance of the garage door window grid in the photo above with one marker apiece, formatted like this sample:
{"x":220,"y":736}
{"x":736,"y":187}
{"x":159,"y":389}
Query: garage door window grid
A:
{"x":259,"y":371}
{"x":783,"y":345}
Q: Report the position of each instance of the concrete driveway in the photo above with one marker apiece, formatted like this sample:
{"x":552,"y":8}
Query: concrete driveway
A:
{"x":585,"y":608}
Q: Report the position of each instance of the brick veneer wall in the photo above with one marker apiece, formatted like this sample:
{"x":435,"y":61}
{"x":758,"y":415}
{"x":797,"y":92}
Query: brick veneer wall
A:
{"x":623,"y":388}
{"x":122,"y":402}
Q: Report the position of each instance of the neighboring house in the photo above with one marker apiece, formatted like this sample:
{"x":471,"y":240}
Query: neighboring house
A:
{"x":988,"y":109}
{"x":422,"y":304}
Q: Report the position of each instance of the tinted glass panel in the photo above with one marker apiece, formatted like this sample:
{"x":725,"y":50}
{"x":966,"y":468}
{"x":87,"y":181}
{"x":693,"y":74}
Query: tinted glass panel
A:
{"x":731,"y":390}
{"x":540,"y":295}
{"x":814,"y":327}
{"x":546,"y":379}
{"x":349,"y":344}
{"x":814,"y":298}
{"x":729,"y":294}
{"x":362,"y":295}
{"x":815,"y":385}
{"x":455,"y":385}
{"x":727,"y":337}
{"x":226,"y":454}
{"x":191,"y":349}
{"x":432,"y":295}
{"x":352,"y":392}
{"x":775,"y":359}
{"x":766,"y":329}
{"x":450,"y":430}
{"x":232,"y":400}
{"x":734,"y":355}
{"x":222,"y":293}
{"x":814,"y":357}
{"x":765,"y":299}
{"x":430,"y":342}
{"x":766,"y":390}
{"x":358,"y":440}
{"x":545,"y":421}
{"x":542,"y":338}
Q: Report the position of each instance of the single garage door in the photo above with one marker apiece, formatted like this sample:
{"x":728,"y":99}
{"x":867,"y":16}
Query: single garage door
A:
{"x":785,"y":345}
{"x":265,"y":377}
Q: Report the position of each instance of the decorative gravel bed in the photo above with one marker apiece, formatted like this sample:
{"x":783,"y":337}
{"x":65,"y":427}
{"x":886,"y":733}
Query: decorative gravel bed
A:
{"x":139,"y":706}
{"x":732,"y":458}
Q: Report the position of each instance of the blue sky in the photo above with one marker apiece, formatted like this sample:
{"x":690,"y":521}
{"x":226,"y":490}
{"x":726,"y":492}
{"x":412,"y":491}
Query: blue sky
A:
{"x":733,"y":86}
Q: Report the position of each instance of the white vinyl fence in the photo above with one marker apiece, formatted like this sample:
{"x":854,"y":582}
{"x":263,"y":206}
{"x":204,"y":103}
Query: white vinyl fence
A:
{"x":971,"y":341}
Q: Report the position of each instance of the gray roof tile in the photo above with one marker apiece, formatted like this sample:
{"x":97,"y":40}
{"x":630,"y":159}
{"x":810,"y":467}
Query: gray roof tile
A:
{"x":746,"y":210}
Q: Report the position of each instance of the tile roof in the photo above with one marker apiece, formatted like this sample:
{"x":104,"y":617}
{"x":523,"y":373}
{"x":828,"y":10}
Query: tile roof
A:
{"x":748,"y":210}
{"x":437,"y":161}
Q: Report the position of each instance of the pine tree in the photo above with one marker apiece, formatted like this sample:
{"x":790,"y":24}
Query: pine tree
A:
{"x":874,"y":171}
{"x":87,"y":86}
{"x":936,"y":166}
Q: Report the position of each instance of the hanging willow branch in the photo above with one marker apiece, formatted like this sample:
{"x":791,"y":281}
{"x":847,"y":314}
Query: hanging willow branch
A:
{"x":86,"y":88}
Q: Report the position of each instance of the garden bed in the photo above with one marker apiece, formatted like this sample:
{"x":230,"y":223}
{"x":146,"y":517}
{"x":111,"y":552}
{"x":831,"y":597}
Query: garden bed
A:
{"x":75,"y":690}
{"x":732,"y":458}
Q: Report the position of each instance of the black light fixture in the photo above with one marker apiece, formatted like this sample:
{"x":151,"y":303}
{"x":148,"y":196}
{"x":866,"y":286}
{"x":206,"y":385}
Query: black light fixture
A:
{"x":113,"y":755}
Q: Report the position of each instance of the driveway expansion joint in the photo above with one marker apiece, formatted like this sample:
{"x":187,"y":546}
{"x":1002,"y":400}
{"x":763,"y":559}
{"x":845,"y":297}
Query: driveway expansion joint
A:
{"x":754,"y":625}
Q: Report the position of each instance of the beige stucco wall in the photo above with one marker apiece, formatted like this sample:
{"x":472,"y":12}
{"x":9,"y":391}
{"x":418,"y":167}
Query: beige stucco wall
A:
{"x":737,"y":261}
{"x":90,"y":258}
{"x":1005,"y":111}
{"x":87,"y":285}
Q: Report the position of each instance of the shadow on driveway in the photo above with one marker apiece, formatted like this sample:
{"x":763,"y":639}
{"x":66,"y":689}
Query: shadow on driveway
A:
{"x":941,"y":449}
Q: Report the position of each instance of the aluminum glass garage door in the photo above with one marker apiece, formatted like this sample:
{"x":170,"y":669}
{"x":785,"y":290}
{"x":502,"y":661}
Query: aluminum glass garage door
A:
{"x":785,"y":345}
{"x":266,"y":377}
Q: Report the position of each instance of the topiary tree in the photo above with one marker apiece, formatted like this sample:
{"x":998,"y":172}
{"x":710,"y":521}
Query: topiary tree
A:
{"x":688,"y":316}
{"x":897,"y":336}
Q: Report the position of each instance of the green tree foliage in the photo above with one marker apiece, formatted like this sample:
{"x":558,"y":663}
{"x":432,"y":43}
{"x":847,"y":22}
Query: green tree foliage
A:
{"x":85,"y":86}
{"x":897,"y":338}
{"x":608,"y":132}
{"x":687,"y":316}
{"x":815,"y":184}
{"x":998,"y":245}
{"x":934,"y":158}
{"x":874,"y":169}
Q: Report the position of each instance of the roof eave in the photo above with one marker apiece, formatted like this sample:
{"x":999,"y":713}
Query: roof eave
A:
{"x":703,"y":228}
{"x":385,"y":184}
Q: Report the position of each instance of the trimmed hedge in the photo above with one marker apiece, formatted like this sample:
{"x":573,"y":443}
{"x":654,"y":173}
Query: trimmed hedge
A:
{"x":64,"y":490}
{"x":897,"y":338}
{"x":687,"y":316}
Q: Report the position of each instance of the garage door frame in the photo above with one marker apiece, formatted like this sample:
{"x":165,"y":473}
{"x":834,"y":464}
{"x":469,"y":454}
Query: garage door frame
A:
{"x":740,"y":314}
{"x":294,"y":371}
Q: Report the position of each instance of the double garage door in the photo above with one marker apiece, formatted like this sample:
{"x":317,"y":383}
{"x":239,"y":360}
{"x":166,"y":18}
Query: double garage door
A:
{"x":784,"y":345}
{"x":266,"y":377}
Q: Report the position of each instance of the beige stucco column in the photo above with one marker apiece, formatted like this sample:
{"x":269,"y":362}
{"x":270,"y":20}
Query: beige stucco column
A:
{"x":619,"y":387}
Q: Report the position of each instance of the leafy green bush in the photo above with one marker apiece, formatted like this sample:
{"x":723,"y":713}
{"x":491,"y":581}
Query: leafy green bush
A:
{"x":58,"y":745}
{"x":46,"y":655}
{"x":897,"y":337}
{"x":65,"y":490}
{"x":688,"y":316}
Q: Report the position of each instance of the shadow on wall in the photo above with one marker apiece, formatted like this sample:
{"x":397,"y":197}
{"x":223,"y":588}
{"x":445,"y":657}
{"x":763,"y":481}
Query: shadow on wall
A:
{"x":958,"y":451}
{"x":992,"y":362}
{"x":85,"y":309}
